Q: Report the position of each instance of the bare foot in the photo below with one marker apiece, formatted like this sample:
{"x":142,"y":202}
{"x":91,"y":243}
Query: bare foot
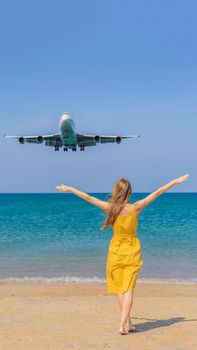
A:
{"x":122,"y":330}
{"x":128,"y":326}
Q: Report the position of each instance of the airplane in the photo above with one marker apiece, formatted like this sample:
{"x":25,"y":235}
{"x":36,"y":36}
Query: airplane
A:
{"x":68,"y":138}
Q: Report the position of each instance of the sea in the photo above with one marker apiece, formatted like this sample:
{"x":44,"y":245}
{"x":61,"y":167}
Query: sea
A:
{"x":57,"y":238}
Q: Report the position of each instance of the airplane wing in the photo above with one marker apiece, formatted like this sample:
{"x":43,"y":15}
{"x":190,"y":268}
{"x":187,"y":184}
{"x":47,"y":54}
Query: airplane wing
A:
{"x":50,"y":140}
{"x":82,"y":140}
{"x":92,"y":140}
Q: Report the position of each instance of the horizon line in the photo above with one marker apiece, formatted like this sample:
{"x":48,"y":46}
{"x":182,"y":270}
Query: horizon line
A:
{"x":174,"y":192}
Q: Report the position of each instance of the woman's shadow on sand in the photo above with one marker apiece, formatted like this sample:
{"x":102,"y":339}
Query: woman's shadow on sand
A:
{"x":154,"y":323}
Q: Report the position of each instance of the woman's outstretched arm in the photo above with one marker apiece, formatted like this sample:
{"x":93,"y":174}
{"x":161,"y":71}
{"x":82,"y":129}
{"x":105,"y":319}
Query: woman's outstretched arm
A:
{"x":141,"y":204}
{"x":95,"y":201}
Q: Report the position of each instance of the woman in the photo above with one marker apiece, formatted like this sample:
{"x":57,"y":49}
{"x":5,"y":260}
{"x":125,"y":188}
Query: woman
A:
{"x":124,"y":256}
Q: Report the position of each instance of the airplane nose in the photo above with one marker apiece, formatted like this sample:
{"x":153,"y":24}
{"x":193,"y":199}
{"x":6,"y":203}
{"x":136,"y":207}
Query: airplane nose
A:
{"x":64,"y":119}
{"x":65,"y":116}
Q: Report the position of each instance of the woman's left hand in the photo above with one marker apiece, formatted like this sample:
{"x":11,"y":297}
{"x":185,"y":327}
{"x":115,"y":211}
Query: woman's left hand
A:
{"x":63,"y":188}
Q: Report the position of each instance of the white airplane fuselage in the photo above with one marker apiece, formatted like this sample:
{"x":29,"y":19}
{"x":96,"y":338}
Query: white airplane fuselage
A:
{"x":67,"y":130}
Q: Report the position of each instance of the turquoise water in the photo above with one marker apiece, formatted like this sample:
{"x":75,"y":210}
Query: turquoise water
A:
{"x":57,"y":237}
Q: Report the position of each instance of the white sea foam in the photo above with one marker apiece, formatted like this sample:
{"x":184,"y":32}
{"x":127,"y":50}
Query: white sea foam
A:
{"x":168,"y":280}
{"x":52,"y":280}
{"x":94,"y":279}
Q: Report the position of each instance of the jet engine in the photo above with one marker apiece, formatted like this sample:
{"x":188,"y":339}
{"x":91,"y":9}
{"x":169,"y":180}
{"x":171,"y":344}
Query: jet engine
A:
{"x":118,"y":139}
{"x":97,"y":138}
{"x":21,"y":139}
{"x":40,"y":139}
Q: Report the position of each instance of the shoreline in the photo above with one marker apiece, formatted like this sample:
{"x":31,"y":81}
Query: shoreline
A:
{"x":89,"y":280}
{"x":79,"y":289}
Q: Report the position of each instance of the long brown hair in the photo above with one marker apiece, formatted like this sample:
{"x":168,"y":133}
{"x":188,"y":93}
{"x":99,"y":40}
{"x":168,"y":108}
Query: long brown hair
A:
{"x":120,"y":196}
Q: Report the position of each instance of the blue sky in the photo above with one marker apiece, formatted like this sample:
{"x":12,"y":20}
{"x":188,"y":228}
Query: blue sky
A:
{"x":118,"y":67}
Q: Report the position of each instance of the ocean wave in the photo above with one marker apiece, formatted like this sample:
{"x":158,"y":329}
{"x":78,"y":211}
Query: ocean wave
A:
{"x":168,"y":280}
{"x":94,"y":279}
{"x":51,"y":280}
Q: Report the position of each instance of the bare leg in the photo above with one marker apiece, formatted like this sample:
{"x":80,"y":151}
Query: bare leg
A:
{"x":128,"y":321}
{"x":126,"y":308}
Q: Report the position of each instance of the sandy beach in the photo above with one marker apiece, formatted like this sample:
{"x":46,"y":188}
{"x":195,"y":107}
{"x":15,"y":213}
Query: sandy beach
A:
{"x":85,"y":316}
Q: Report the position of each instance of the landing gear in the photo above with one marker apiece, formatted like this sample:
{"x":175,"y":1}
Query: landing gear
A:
{"x":65,"y":149}
{"x":57,"y":148}
{"x":74,"y":148}
{"x":82,"y":148}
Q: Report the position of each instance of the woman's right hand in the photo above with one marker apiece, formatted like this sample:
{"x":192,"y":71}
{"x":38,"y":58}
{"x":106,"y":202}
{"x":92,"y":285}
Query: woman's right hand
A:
{"x":181,"y":179}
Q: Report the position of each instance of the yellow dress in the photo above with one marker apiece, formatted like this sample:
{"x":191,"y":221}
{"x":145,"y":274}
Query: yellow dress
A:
{"x":124,"y":259}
